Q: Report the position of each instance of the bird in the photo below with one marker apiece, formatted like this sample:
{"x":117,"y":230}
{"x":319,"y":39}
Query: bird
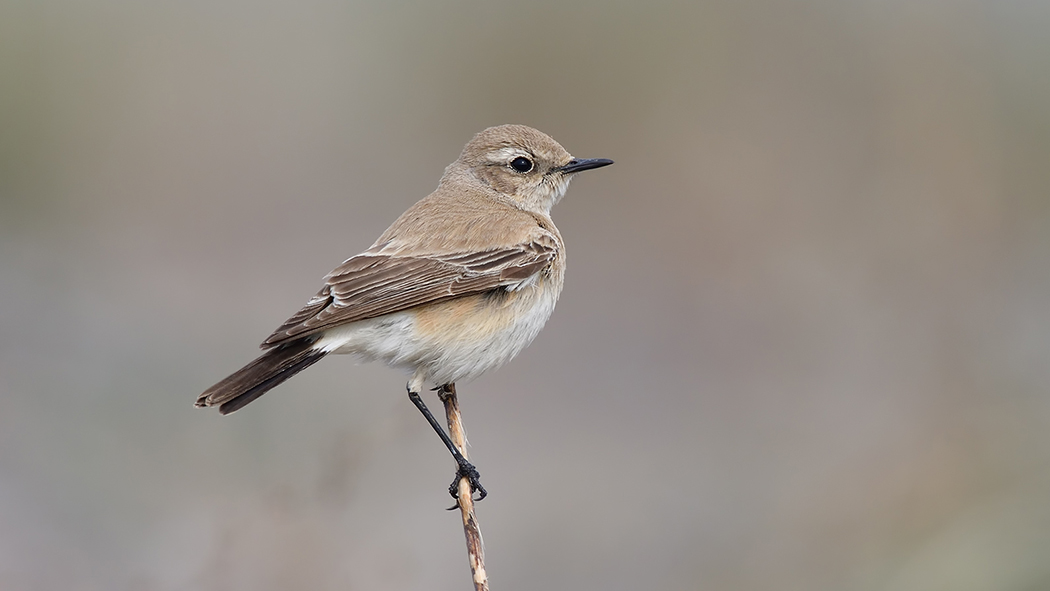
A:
{"x":457,"y":286}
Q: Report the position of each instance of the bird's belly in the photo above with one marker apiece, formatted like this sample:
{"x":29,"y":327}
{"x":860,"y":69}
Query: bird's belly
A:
{"x":455,"y":340}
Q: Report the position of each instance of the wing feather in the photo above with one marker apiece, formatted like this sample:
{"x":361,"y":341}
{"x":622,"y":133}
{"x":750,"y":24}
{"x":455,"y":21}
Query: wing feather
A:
{"x":371,"y":285}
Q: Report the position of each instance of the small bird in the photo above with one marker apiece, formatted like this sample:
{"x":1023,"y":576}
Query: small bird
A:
{"x":458,"y":285}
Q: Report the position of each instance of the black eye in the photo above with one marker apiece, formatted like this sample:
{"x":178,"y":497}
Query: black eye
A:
{"x":521,"y":164}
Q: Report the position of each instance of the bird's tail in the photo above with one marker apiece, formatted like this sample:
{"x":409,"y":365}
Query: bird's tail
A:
{"x":258,"y":377}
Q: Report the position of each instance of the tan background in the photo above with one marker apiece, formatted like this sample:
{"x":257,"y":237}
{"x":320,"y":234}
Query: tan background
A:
{"x":804,"y":342}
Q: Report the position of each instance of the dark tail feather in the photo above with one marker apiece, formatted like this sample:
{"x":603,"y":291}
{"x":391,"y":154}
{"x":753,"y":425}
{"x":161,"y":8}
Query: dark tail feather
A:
{"x":259,"y":376}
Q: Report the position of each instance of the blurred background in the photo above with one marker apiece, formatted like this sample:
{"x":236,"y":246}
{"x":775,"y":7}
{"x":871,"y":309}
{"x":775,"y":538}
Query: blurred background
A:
{"x":804,"y":341}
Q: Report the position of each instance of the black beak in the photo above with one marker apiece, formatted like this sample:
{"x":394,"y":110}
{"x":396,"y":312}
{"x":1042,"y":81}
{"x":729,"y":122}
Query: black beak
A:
{"x":577,"y":165}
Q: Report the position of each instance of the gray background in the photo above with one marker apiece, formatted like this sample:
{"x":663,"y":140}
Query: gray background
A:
{"x":803,"y":342}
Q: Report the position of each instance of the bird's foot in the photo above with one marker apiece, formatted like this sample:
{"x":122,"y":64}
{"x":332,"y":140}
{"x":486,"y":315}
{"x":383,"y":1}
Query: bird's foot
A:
{"x":468,"y":471}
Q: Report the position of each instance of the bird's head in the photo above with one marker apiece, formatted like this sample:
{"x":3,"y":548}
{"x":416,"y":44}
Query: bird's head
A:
{"x":522,"y":164}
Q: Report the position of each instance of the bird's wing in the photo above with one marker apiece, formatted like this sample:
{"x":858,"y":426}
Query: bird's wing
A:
{"x":370,"y":285}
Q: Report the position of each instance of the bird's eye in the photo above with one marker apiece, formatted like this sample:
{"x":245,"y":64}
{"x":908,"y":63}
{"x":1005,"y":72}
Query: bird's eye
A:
{"x":521,"y":164}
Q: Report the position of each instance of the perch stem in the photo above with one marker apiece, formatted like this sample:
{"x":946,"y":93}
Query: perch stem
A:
{"x":465,"y":500}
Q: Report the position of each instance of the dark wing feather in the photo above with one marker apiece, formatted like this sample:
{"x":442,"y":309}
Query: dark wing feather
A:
{"x":368,"y":285}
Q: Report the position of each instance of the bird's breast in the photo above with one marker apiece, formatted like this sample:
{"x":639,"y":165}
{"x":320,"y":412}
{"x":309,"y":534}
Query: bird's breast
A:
{"x":460,"y":339}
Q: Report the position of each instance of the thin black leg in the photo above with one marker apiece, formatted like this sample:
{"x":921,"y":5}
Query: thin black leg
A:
{"x":466,"y":469}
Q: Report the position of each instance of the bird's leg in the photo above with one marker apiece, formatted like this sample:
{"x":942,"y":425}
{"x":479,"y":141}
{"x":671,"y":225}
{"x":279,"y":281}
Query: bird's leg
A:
{"x":466,"y":469}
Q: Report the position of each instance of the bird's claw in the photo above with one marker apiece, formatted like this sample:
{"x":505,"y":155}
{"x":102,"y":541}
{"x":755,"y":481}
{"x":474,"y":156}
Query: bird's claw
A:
{"x":468,"y":471}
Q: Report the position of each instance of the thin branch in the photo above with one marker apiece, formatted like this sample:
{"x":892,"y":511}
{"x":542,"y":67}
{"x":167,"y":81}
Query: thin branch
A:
{"x":475,"y":548}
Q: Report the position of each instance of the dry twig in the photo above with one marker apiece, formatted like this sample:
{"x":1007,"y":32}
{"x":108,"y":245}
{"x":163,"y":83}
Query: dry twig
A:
{"x":465,"y":500}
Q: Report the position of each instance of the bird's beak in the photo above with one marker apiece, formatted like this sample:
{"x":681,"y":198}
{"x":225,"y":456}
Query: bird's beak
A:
{"x":577,"y":165}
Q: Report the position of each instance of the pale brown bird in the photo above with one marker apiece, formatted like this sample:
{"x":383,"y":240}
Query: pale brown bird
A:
{"x":458,"y":285}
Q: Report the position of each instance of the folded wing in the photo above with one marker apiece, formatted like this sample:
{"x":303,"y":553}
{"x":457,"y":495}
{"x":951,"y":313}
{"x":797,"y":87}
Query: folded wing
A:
{"x":371,"y":285}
